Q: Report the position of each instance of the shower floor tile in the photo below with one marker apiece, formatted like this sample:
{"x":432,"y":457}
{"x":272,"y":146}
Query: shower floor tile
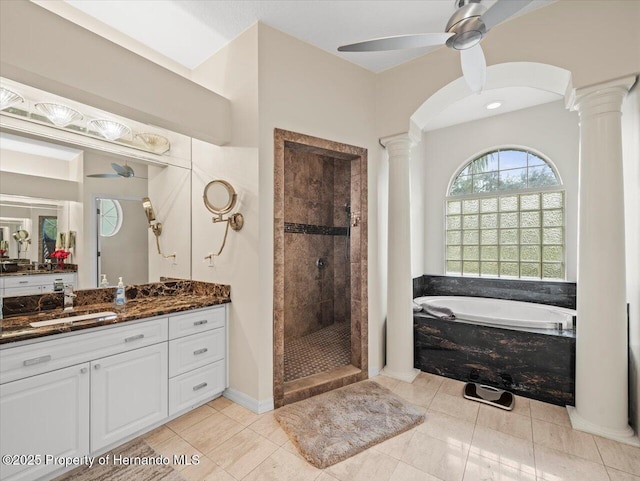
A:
{"x":320,"y":351}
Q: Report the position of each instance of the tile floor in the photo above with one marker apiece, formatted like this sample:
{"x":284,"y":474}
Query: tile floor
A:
{"x":460,"y":440}
{"x":320,"y":351}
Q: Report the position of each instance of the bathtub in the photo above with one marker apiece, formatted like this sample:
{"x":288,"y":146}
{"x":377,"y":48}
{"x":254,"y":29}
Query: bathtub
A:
{"x":504,"y":313}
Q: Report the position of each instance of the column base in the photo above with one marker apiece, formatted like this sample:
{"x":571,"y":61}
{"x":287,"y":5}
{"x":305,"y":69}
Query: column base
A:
{"x":625,"y":435}
{"x":406,"y":376}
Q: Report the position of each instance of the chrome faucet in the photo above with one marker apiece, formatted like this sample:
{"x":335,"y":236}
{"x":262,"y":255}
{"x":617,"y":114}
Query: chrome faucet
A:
{"x":68,"y":297}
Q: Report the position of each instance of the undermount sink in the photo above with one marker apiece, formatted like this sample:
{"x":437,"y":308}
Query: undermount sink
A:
{"x":98,"y":316}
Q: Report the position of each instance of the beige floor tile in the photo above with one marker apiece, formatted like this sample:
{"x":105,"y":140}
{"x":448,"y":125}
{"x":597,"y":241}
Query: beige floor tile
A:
{"x":429,"y":380}
{"x":324,"y":476}
{"x":549,"y":412}
{"x":242,"y":453}
{"x":415,"y":393}
{"x":616,"y":475}
{"x":283,"y":466}
{"x":211,"y":432}
{"x":206,"y":470}
{"x":267,"y":426}
{"x":240,"y":414}
{"x":455,"y":406}
{"x":177,"y":446}
{"x":158,"y":435}
{"x":439,"y":458}
{"x":406,"y":472}
{"x":385,"y":381}
{"x":522,"y":406}
{"x":503,"y":448}
{"x":452,"y":387}
{"x":622,"y":457}
{"x":369,"y":465}
{"x":192,"y":417}
{"x":505,"y":421}
{"x":479,"y":468}
{"x":552,"y":465}
{"x":565,"y":439}
{"x":446,"y":428}
{"x":220,"y":403}
{"x":395,"y":446}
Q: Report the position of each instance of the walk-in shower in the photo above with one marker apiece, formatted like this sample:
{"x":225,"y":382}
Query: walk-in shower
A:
{"x":319,"y":329}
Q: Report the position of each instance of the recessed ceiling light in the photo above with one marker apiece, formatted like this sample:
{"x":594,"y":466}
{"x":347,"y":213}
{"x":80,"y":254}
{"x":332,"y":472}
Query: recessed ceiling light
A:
{"x":493,"y":105}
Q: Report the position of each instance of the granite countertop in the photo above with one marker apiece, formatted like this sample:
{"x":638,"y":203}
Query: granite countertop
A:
{"x":143,"y":301}
{"x":37,"y":272}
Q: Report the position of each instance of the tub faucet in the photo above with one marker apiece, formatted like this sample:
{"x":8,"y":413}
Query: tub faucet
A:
{"x":68,"y":297}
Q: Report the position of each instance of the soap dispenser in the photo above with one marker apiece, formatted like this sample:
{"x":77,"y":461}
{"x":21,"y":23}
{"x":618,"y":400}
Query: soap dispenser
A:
{"x":120,"y":296}
{"x":104,"y":282}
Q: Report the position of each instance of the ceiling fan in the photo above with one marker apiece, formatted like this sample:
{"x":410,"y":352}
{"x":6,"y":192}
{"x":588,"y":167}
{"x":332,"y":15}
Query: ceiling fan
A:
{"x":469,"y":24}
{"x":123,"y":171}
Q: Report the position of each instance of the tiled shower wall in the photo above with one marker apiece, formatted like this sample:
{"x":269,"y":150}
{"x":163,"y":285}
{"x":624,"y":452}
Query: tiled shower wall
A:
{"x":316,"y":190}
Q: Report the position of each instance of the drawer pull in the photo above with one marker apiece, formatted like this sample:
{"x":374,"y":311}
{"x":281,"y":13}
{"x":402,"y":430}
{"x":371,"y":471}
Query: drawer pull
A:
{"x":134,"y":338}
{"x":37,"y":360}
{"x":83,"y":370}
{"x":97,"y":366}
{"x":23,"y":282}
{"x":200,"y":351}
{"x":199,"y":386}
{"x":200,"y":323}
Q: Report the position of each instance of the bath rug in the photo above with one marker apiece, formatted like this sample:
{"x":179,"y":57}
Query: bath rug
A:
{"x":336,"y":425}
{"x":137,"y":448}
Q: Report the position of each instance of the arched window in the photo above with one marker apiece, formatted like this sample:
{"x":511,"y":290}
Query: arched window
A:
{"x":505,"y":217}
{"x":110,"y":217}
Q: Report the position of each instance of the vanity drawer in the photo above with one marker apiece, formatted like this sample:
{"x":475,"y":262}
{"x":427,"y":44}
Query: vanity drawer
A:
{"x":38,"y":280}
{"x":188,"y":389}
{"x":191,"y":352}
{"x":193,"y":322}
{"x":39,"y":357}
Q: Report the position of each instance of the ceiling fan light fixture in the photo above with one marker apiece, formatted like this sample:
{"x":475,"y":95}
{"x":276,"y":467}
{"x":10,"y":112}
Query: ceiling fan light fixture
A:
{"x":110,"y":129}
{"x":9,"y":97}
{"x":493,"y":105}
{"x":60,"y":115}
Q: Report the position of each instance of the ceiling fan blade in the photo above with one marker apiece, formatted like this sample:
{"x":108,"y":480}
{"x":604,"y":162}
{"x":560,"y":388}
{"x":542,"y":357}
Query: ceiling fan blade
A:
{"x":120,"y":169}
{"x":501,"y":10}
{"x":104,"y":176}
{"x":474,"y":67}
{"x":398,"y":42}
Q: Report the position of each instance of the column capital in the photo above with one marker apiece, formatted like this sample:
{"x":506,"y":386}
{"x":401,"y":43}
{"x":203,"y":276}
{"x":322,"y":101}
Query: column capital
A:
{"x":398,"y":144}
{"x":602,"y":97}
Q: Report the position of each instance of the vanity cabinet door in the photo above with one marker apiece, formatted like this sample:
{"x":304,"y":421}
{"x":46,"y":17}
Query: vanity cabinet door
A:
{"x":44,"y":415}
{"x":129,"y":392}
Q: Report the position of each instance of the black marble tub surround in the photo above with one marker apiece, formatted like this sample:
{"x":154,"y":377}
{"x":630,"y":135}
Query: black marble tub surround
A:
{"x":553,"y":293}
{"x":535,"y":365}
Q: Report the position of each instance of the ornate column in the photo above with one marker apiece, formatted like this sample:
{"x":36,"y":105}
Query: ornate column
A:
{"x":399,"y":282}
{"x":601,"y":344}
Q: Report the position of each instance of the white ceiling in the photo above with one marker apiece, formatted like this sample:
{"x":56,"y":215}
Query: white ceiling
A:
{"x":26,"y":145}
{"x":473,"y":107}
{"x":190,"y":31}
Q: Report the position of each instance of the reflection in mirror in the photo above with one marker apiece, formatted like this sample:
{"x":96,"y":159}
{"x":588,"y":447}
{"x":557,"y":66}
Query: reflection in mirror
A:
{"x":46,"y":191}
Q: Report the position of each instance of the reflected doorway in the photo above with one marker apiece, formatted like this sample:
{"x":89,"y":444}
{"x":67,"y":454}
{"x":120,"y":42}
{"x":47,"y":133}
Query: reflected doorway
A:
{"x":122,"y":245}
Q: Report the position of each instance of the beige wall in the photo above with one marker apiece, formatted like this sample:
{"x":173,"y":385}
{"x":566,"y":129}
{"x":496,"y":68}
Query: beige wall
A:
{"x":594,"y":40}
{"x":233,"y":72}
{"x":307,"y":90}
{"x":549,"y":129}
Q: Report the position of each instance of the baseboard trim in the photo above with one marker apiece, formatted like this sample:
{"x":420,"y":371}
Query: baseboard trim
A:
{"x":408,"y":376}
{"x":373,"y":371}
{"x":246,"y":401}
{"x":625,"y":435}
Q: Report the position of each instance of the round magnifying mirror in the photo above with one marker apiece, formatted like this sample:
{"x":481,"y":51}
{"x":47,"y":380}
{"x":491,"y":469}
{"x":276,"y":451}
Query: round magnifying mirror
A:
{"x":219,"y":197}
{"x":23,"y":234}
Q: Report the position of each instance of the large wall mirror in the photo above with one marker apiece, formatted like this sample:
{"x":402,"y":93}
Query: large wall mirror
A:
{"x":89,"y":203}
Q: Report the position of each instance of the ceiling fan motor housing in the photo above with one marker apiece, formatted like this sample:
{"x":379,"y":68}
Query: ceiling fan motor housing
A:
{"x":467,"y":26}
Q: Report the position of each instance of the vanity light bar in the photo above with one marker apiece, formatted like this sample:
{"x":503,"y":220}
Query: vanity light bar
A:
{"x":59,"y":116}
